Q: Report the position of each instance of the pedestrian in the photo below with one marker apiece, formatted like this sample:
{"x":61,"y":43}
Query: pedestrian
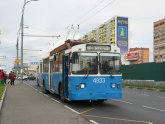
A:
{"x":5,"y":77}
{"x":12,"y":78}
{"x":1,"y":77}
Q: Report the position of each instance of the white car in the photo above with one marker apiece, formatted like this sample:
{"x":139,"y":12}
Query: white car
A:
{"x":25,"y":77}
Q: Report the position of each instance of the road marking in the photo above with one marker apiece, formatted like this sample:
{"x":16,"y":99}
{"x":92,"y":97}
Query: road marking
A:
{"x":122,"y":101}
{"x":87,"y":110}
{"x":46,"y":95}
{"x":145,"y":94}
{"x":39,"y":91}
{"x":71,"y":109}
{"x":119,"y":119}
{"x":55,"y":100}
{"x":154,"y":108}
{"x":161,"y":97}
{"x":94,"y":122}
{"x":31,"y":86}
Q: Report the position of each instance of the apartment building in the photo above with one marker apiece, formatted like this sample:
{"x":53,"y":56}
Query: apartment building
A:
{"x":159,"y":41}
{"x":114,"y":32}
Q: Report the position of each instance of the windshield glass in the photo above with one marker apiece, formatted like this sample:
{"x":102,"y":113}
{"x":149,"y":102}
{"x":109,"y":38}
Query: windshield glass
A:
{"x":84,"y":63}
{"x":109,"y":63}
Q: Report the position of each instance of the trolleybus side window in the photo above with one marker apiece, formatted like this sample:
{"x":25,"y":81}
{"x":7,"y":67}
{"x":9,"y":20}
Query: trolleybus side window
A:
{"x":109,"y":63}
{"x":56,"y":64}
{"x":40,"y":68}
{"x":84,"y":62}
{"x":46,"y":65}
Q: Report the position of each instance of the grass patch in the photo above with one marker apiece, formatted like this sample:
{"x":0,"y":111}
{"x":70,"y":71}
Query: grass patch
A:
{"x":2,"y":88}
{"x":144,"y":86}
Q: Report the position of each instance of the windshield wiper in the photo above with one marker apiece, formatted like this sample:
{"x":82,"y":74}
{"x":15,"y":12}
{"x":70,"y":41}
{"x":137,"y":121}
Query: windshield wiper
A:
{"x":87,"y":74}
{"x":111,"y":74}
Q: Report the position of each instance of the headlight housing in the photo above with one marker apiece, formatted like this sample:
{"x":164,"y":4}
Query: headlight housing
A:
{"x":113,"y":85}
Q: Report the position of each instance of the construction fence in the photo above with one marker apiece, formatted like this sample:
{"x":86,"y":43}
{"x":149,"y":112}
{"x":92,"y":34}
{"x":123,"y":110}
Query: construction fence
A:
{"x":148,"y":72}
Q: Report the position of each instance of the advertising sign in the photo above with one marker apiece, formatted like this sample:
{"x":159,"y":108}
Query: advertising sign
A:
{"x":134,"y":55}
{"x":122,"y":34}
{"x":34,"y":63}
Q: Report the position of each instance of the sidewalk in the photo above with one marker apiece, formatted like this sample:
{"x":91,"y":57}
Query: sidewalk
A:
{"x":24,"y":105}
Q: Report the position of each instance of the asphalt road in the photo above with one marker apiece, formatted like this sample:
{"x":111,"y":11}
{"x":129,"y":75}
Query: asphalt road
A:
{"x":138,"y":106}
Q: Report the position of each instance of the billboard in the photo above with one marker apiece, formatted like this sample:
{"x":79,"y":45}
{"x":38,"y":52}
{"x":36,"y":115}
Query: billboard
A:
{"x":122,"y":34}
{"x":34,"y":63}
{"x":133,"y":55}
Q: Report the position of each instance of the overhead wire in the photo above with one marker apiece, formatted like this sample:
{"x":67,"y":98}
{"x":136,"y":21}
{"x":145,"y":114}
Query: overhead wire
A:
{"x":101,"y":5}
{"x":87,"y":12}
{"x":105,"y":6}
{"x":85,"y":16}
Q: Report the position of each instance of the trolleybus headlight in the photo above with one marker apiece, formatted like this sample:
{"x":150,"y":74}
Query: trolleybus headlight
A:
{"x":113,"y":85}
{"x":82,"y":86}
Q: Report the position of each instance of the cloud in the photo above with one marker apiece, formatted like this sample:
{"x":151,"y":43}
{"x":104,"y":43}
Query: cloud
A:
{"x":51,"y":17}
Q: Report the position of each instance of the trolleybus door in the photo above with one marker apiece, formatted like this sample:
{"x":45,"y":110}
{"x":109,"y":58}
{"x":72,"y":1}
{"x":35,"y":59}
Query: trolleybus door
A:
{"x":51,"y":75}
{"x":65,"y":74}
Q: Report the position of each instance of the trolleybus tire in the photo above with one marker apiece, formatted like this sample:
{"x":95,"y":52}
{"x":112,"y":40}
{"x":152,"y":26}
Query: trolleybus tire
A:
{"x":61,"y":94}
{"x":101,"y":100}
{"x":44,"y":88}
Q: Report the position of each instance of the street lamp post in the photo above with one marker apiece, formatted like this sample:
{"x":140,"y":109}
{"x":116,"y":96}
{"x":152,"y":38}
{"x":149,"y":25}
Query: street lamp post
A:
{"x":22,"y":31}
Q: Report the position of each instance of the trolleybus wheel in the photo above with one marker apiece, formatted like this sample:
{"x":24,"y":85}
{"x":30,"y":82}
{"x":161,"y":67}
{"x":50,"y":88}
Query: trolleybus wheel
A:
{"x":44,"y":88}
{"x":101,"y":100}
{"x":62,"y":93}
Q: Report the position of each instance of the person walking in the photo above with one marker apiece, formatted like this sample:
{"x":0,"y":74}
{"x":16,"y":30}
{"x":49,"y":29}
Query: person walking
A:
{"x":12,"y":78}
{"x":5,"y":77}
{"x":1,"y":77}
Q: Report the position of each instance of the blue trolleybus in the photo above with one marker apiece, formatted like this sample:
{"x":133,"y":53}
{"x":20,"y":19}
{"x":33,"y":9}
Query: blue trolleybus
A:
{"x":79,"y":70}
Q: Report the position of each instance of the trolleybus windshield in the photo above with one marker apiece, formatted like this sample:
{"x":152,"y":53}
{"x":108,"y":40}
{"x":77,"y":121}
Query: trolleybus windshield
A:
{"x":109,"y":63}
{"x":84,"y":63}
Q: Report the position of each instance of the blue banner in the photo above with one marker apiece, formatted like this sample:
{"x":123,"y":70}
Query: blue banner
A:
{"x":122,"y":34}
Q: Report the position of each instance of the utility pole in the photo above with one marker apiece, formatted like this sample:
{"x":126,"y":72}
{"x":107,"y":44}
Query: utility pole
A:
{"x":22,"y":44}
{"x":22,"y":27}
{"x":17,"y":54}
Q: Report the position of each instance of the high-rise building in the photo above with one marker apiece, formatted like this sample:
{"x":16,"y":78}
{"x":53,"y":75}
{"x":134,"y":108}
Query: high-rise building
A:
{"x":114,"y":31}
{"x":159,"y":41}
{"x":137,"y":55}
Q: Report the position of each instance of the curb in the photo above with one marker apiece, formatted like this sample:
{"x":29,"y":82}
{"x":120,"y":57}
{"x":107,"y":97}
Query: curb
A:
{"x":3,"y":96}
{"x":160,"y":90}
{"x":152,"y":89}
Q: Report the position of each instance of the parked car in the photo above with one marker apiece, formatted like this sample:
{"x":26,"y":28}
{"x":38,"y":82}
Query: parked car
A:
{"x":31,"y":78}
{"x":19,"y":77}
{"x":25,"y":77}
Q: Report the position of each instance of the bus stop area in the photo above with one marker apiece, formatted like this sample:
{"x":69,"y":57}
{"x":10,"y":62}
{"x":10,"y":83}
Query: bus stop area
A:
{"x":25,"y":105}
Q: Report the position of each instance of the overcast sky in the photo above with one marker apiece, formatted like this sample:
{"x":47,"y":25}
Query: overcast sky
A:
{"x":54,"y":17}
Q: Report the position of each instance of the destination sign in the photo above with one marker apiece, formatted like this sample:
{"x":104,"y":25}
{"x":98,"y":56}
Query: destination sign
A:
{"x":98,"y":47}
